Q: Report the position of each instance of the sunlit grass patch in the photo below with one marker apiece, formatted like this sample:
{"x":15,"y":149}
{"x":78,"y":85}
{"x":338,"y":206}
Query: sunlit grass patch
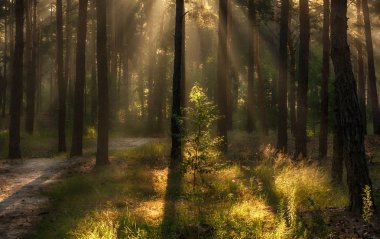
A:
{"x":269,"y":197}
{"x":85,"y":198}
{"x":151,"y":152}
{"x":111,"y":223}
{"x":310,"y":182}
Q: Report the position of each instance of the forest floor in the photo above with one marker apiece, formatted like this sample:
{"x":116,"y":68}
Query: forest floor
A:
{"x":21,"y":203}
{"x":253,"y":193}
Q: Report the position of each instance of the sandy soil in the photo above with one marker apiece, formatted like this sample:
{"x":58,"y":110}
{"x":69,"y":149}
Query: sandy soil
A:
{"x":21,"y":203}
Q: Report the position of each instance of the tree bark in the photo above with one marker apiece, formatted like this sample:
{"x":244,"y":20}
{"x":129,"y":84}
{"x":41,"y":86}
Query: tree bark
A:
{"x":80,"y":81}
{"x":260,"y":85}
{"x":229,"y":81}
{"x":282,"y":133}
{"x":292,"y":75}
{"x":68,"y":58}
{"x":360,"y":63}
{"x":17,"y":84}
{"x":348,"y":115}
{"x":325,"y":81}
{"x":61,"y":83}
{"x":94,"y":107}
{"x":251,"y":67}
{"x":4,"y":82}
{"x":161,"y":79}
{"x":337,"y":160}
{"x":222,"y":74}
{"x":303,"y":80}
{"x":103,"y":94}
{"x":371,"y":70}
{"x":31,"y":77}
{"x":176,"y":127}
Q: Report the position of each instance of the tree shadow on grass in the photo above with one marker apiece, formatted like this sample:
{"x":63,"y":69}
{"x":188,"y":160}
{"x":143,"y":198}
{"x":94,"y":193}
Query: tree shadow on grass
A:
{"x":172,"y":195}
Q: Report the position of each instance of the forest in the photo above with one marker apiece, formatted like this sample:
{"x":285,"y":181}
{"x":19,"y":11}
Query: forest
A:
{"x":189,"y":119}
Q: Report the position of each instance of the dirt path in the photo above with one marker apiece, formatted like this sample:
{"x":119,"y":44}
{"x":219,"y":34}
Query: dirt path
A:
{"x":21,"y":204}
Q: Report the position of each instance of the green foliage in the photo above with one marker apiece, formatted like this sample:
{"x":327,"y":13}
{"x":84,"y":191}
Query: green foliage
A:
{"x":201,"y":147}
{"x":91,"y":133}
{"x":367,"y":204}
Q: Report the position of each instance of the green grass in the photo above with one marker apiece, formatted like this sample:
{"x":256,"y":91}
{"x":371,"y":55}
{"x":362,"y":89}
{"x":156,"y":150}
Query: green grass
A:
{"x":267,"y":197}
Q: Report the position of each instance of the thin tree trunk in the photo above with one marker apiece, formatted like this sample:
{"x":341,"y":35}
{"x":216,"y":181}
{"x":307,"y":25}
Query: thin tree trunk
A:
{"x":360,"y":62}
{"x":3,"y":89}
{"x":68,"y":59}
{"x":251,"y":67}
{"x":61,"y":83}
{"x":31,"y":78}
{"x":303,"y":80}
{"x":229,"y":81}
{"x":325,"y":81}
{"x":103,"y":95}
{"x":94,"y":94}
{"x":282,"y":136}
{"x":348,"y":114}
{"x":78,"y":124}
{"x":292,"y":75}
{"x":222,"y":74}
{"x":161,"y":79}
{"x":17,"y":84}
{"x":371,"y":70}
{"x":260,"y":85}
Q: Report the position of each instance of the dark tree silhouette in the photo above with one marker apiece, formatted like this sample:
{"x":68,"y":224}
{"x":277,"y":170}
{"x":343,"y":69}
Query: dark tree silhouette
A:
{"x":282,"y":135}
{"x":348,"y":115}
{"x":16,"y":84}
{"x":77,"y":137}
{"x":292,"y":74}
{"x":176,"y":127}
{"x":360,"y":64}
{"x":251,"y":66}
{"x":31,"y":69}
{"x":303,"y":80}
{"x":372,"y":82}
{"x":103,"y":94}
{"x":221,"y":89}
{"x":61,"y":83}
{"x":325,"y":81}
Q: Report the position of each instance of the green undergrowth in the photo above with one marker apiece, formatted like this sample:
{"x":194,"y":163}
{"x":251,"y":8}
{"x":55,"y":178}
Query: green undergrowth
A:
{"x":267,"y":197}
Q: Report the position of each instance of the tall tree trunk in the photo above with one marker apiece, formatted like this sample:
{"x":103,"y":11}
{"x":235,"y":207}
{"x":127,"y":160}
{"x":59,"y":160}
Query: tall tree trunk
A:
{"x":68,"y":59}
{"x":222,"y":74}
{"x":251,"y":67}
{"x":151,"y":85}
{"x":360,"y":62}
{"x":282,"y":134}
{"x":3,"y":97}
{"x":161,"y":78}
{"x":31,"y":78}
{"x":17,"y":84}
{"x":325,"y":81}
{"x":371,"y":70}
{"x":229,"y":81}
{"x":103,"y":94}
{"x":94,"y":94}
{"x":77,"y":137}
{"x":112,"y":59}
{"x":348,"y":110}
{"x":61,"y":83}
{"x":260,"y":85}
{"x":303,"y":80}
{"x":176,"y":127}
{"x":292,"y":74}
